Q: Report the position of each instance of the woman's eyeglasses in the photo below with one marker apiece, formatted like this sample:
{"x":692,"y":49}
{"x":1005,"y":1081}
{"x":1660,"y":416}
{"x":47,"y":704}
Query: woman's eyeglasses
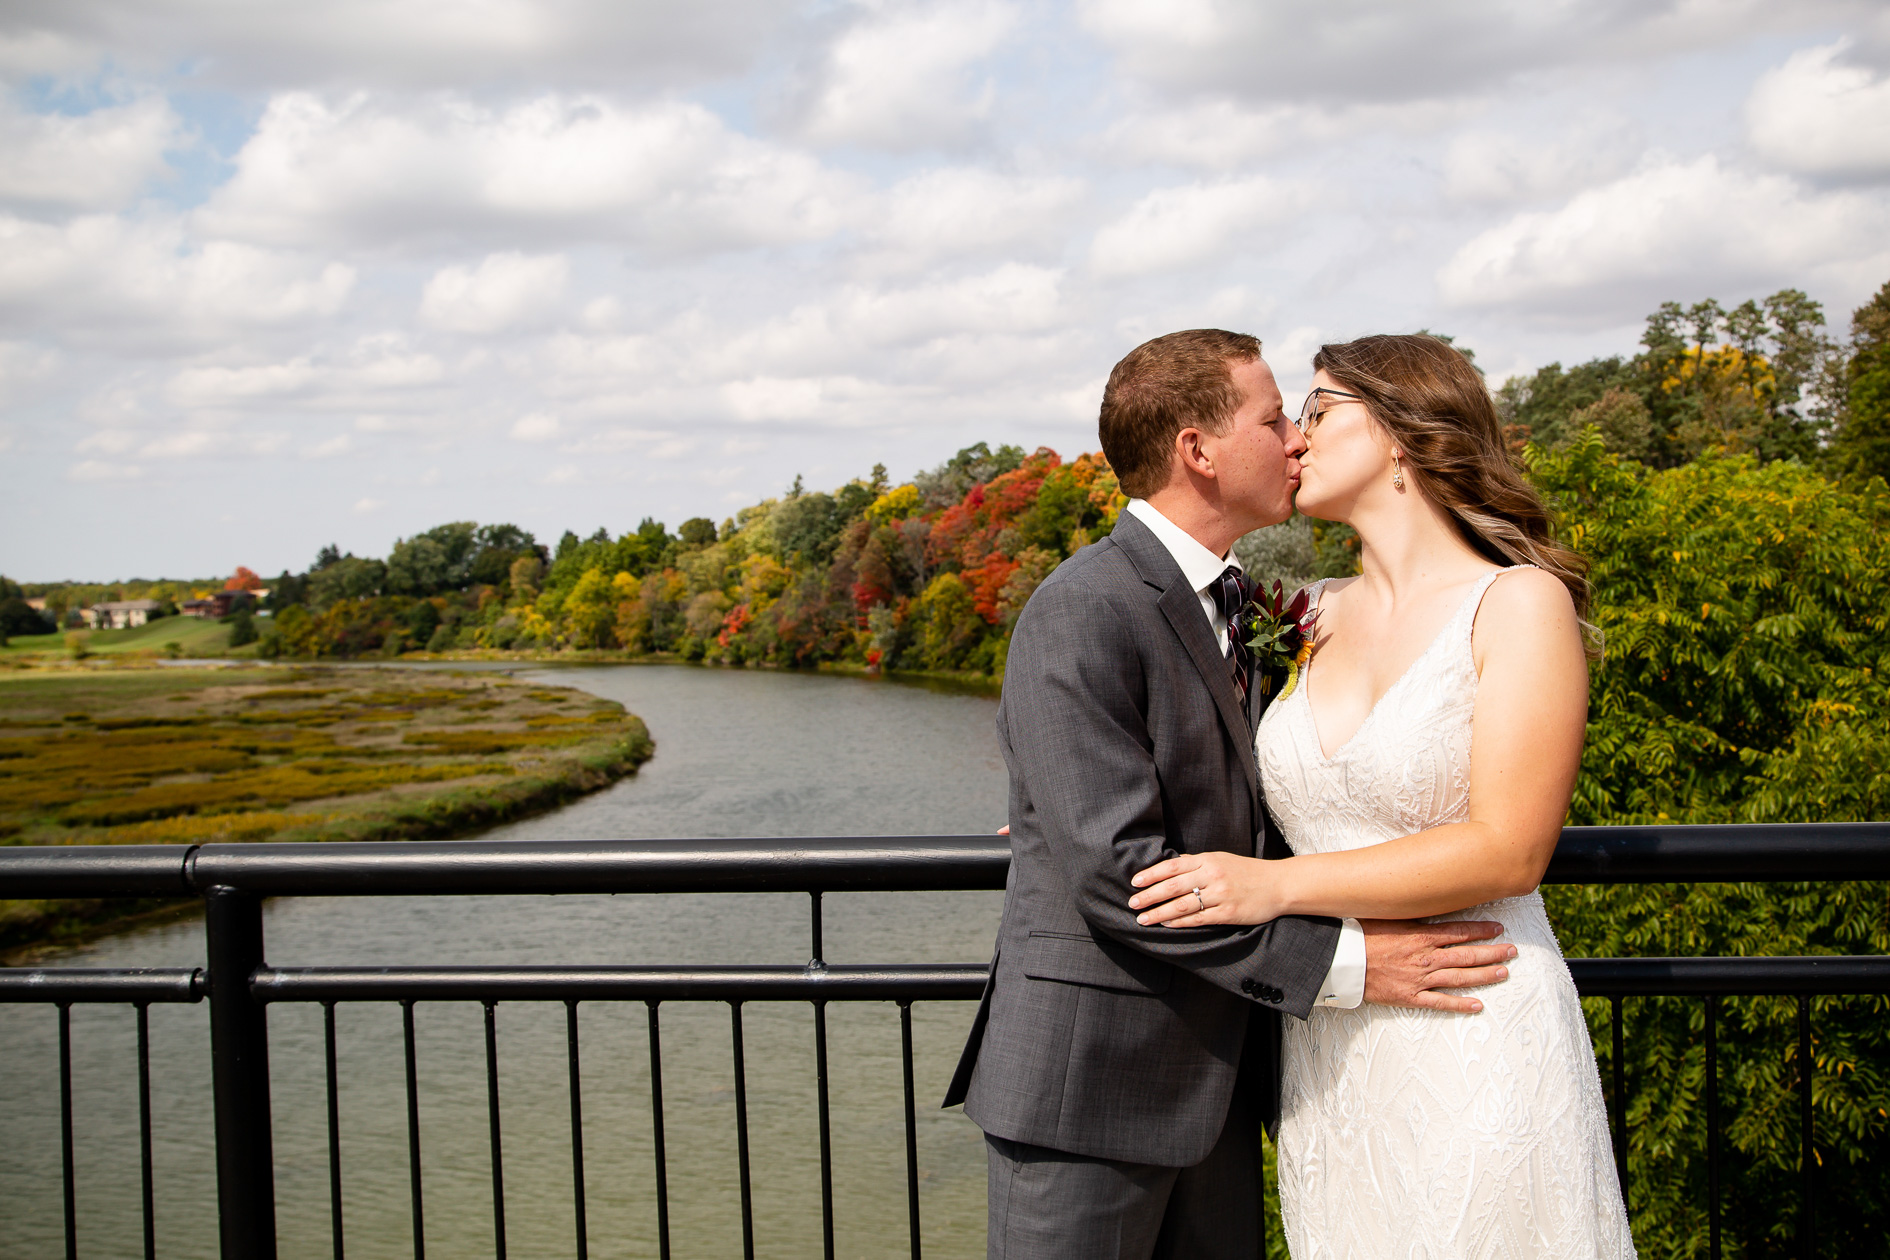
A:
{"x":1310,"y":413}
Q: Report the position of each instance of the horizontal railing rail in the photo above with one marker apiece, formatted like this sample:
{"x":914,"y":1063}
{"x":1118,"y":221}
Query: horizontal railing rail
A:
{"x":928,"y":982}
{"x":1585,"y":855}
{"x":239,"y":984}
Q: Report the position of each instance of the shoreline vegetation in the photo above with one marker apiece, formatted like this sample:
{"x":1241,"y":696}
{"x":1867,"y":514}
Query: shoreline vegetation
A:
{"x":121,"y":755}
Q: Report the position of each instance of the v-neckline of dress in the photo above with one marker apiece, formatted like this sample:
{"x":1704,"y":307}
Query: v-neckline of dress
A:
{"x":1305,"y":681}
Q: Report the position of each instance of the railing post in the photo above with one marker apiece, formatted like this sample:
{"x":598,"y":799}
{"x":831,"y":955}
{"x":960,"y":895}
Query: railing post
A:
{"x":239,"y":1058}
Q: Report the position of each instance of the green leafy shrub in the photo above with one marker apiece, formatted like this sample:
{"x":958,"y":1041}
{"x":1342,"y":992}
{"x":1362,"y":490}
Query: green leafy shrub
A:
{"x":1745,"y":611}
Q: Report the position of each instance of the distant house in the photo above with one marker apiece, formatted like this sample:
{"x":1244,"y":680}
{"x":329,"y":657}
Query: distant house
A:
{"x":122,"y":614}
{"x":221,"y":604}
{"x":37,"y":605}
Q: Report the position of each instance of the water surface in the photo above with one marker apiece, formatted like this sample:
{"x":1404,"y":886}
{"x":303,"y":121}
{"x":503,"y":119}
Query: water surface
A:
{"x":739,"y":753}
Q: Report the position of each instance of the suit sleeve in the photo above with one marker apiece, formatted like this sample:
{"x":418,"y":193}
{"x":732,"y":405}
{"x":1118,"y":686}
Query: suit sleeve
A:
{"x":1075,"y":727}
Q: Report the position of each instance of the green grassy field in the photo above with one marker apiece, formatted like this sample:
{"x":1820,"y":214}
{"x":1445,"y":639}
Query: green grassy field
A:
{"x":195,"y":636}
{"x":102,"y":754}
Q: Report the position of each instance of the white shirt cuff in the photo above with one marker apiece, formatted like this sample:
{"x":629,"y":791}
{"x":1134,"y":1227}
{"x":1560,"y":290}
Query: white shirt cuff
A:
{"x":1344,"y":985}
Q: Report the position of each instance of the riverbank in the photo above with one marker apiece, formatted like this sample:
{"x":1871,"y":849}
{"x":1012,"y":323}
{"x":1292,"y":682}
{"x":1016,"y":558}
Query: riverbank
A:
{"x":117,"y":755}
{"x":136,"y":649}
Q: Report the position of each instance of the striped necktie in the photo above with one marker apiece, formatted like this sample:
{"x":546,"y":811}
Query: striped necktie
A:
{"x":1230,"y":592}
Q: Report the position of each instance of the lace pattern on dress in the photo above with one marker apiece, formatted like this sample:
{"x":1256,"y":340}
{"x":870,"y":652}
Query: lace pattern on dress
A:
{"x":1422,"y":1133}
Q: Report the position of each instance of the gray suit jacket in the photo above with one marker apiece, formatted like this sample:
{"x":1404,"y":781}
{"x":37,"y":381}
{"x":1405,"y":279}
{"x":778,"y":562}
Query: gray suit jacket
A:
{"x":1127,"y":744}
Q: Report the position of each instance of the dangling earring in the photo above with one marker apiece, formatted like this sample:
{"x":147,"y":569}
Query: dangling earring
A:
{"x":1397,"y":473}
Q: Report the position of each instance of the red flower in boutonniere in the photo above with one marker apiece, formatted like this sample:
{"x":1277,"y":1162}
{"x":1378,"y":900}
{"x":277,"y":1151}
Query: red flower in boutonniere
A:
{"x":1279,"y":634}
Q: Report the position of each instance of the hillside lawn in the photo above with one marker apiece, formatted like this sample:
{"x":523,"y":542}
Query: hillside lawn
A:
{"x":196,"y":637}
{"x":102,"y":753}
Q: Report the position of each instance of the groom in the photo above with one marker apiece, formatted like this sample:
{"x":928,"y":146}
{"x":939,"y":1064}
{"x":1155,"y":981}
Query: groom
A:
{"x":1122,"y":1073}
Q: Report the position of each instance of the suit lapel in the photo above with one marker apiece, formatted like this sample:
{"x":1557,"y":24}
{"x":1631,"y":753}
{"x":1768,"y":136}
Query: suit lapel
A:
{"x":1182,"y":607}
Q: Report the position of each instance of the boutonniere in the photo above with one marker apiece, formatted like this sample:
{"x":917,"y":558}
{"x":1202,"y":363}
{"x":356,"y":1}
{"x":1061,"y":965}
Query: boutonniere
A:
{"x":1279,"y":634}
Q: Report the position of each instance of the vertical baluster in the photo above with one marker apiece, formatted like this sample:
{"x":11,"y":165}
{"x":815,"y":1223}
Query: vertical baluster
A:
{"x":912,"y":1126}
{"x":65,"y":1128}
{"x":741,"y":1132}
{"x":334,"y":1130}
{"x":144,"y":1130}
{"x":656,"y":1116}
{"x":1712,"y":1128}
{"x":820,"y":959}
{"x":239,"y":1072}
{"x":819,"y":963}
{"x":577,"y":1129}
{"x":826,"y":1130}
{"x":1620,"y":1095}
{"x":492,"y":1123}
{"x":413,"y":1136}
{"x":1808,"y":1158}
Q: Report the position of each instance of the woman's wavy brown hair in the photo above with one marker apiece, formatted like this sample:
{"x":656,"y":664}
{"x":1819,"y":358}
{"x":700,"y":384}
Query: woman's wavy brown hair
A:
{"x":1436,"y":408}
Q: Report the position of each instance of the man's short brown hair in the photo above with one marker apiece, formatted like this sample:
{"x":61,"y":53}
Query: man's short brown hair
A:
{"x":1180,"y":381}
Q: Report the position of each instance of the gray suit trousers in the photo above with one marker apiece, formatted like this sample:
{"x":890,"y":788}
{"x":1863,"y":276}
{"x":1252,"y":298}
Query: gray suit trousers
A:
{"x":1052,"y":1205}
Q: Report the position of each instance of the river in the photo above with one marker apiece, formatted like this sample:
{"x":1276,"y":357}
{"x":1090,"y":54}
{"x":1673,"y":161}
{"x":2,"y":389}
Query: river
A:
{"x":739,"y":753}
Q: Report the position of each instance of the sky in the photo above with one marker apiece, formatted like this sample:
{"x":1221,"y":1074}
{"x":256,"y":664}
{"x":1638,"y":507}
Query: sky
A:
{"x":277,"y":274}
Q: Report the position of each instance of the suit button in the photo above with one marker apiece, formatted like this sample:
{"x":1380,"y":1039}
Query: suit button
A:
{"x":1248,"y":987}
{"x":1275,"y":995}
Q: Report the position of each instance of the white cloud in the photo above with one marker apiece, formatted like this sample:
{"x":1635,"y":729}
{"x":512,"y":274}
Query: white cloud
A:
{"x":377,"y":170}
{"x":396,"y":43}
{"x":503,"y":291}
{"x":98,"y":273}
{"x":1819,"y":116}
{"x":1673,"y":229}
{"x":95,"y":161}
{"x":1502,"y":167}
{"x":539,"y":426}
{"x":200,"y":443}
{"x":100,"y":470}
{"x":224,"y":386}
{"x":340,"y":444}
{"x":1011,"y":299}
{"x":903,"y":77}
{"x":1180,"y":226}
{"x":366,"y":507}
{"x":835,"y":400}
{"x":1344,"y":51}
{"x":1222,"y":134}
{"x":961,"y":210}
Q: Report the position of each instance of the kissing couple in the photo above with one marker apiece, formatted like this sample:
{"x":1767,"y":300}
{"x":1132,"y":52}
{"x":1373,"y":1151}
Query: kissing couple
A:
{"x":1252,"y":890}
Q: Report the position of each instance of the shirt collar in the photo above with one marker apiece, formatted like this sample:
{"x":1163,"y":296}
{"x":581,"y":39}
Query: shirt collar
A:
{"x":1201,"y":567}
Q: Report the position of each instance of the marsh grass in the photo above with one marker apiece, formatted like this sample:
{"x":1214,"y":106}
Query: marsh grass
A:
{"x":174,"y":756}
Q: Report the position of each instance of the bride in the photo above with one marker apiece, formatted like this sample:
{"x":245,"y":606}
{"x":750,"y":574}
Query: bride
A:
{"x":1422,"y":767}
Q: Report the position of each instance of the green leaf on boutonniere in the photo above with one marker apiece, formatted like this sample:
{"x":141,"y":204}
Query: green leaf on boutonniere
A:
{"x":1277,"y":631}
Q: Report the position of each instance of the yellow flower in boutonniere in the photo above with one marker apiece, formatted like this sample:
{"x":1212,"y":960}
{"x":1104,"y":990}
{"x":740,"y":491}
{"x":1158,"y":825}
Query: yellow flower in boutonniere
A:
{"x":1299,"y":663}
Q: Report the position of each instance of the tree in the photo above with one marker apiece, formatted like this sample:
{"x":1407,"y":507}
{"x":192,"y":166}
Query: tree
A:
{"x":243,"y":580}
{"x":346,"y":578}
{"x":1744,"y":606}
{"x":697,"y":531}
{"x":441,"y":559}
{"x":19,"y":617}
{"x":1861,"y":446}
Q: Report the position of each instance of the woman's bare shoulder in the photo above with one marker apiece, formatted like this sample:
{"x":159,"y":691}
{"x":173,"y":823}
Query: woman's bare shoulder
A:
{"x":1524,"y":603}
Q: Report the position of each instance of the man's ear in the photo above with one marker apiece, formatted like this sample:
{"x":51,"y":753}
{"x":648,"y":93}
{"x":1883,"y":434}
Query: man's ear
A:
{"x":1191,"y":447}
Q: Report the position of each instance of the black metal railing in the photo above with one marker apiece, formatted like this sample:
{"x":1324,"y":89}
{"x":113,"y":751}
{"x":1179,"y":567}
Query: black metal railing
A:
{"x":240,"y":984}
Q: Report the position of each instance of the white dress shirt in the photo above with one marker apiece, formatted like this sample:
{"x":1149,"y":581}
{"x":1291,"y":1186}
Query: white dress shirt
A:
{"x":1344,"y":985}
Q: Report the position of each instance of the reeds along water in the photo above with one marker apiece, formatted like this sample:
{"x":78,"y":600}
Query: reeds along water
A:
{"x":736,"y":756}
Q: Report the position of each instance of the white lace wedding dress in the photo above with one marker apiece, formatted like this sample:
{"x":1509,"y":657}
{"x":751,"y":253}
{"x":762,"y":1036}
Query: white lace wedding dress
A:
{"x":1413,"y":1133}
